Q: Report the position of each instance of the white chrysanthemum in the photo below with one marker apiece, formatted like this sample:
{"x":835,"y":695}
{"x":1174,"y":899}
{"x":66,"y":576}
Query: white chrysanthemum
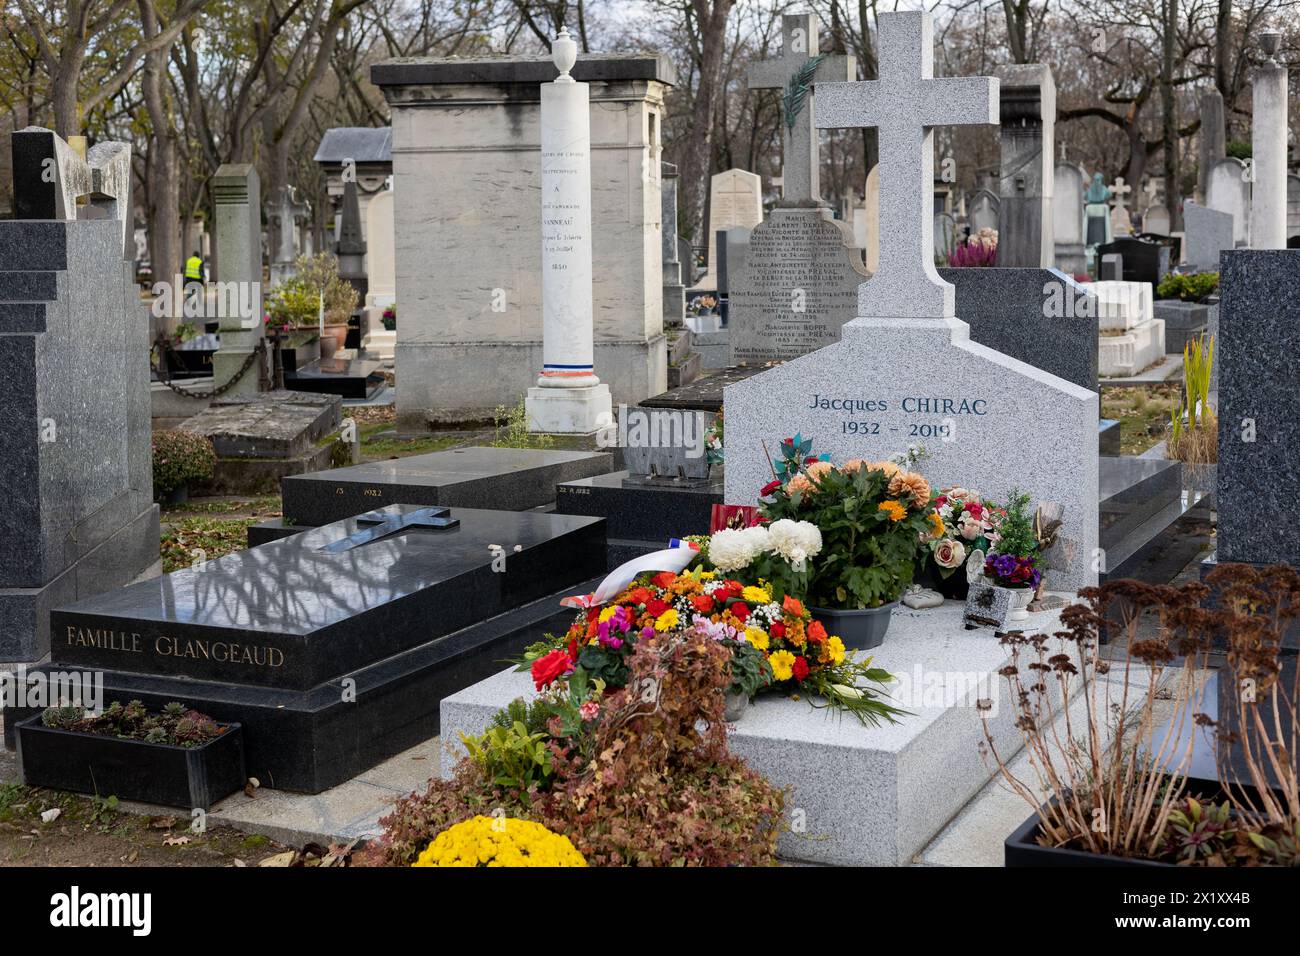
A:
{"x":796,"y":541}
{"x":734,"y":548}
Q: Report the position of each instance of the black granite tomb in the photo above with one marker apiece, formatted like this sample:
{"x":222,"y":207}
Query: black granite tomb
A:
{"x":334,"y":647}
{"x":1143,"y":261}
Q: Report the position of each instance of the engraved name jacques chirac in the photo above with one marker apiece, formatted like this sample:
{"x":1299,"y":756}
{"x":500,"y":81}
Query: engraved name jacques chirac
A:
{"x":910,"y":405}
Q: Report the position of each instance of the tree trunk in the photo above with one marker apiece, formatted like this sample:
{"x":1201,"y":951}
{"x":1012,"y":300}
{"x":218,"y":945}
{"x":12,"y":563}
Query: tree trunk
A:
{"x":164,"y":208}
{"x":1169,"y":112}
{"x":697,"y":158}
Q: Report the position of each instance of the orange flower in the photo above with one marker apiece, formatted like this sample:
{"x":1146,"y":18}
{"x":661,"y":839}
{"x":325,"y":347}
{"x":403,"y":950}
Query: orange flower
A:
{"x":792,"y":605}
{"x":799,"y":484}
{"x":853,"y":465}
{"x":819,"y":468}
{"x":936,"y":525}
{"x":888,"y":467}
{"x":894,"y":509}
{"x":816,"y":633}
{"x":911,"y":484}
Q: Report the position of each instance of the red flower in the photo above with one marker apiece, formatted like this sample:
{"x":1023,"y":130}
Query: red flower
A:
{"x":800,"y":668}
{"x":816,"y":633}
{"x":573,"y":649}
{"x":740,"y":611}
{"x":702,"y":603}
{"x":791,"y":605}
{"x":656,"y":606}
{"x":639,"y":595}
{"x":777,"y":630}
{"x":663,"y":579}
{"x":550,"y":666}
{"x":770,"y":487}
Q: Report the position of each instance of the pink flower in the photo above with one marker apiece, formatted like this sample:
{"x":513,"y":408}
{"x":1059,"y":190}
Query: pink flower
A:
{"x":589,"y":710}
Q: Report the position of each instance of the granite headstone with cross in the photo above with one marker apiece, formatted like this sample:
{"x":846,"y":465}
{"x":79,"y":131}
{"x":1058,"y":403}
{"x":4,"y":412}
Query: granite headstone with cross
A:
{"x":797,"y":276}
{"x":906,"y":372}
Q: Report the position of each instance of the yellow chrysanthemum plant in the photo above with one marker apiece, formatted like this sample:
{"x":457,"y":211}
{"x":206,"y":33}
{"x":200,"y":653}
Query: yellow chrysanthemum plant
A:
{"x":875,"y":518}
{"x":499,"y":841}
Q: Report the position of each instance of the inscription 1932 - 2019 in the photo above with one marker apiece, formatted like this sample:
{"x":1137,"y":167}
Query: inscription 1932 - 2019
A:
{"x":924,"y":416}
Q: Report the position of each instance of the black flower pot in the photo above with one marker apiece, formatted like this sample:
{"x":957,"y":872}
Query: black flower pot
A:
{"x":858,"y":630}
{"x":187,"y":777}
{"x":954,"y":586}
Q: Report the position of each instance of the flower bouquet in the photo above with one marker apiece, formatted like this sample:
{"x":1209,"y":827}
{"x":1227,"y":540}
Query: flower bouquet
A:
{"x":1010,"y":576}
{"x":774,"y":642}
{"x":874,"y":519}
{"x":970,"y":529}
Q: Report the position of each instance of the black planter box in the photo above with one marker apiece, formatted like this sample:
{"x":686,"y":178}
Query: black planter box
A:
{"x":1021,"y":848}
{"x":188,"y":777}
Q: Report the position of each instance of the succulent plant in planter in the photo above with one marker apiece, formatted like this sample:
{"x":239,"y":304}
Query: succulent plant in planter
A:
{"x":1117,"y":785}
{"x":180,"y":457}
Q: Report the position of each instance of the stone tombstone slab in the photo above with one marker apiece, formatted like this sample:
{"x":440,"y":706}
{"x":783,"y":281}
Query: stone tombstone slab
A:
{"x":1143,"y":261}
{"x":735,"y":199}
{"x":381,"y":268}
{"x":78,"y":516}
{"x":237,"y":200}
{"x":797,"y":286}
{"x":1258,"y":342}
{"x":1067,"y":218}
{"x":1212,"y":139}
{"x":1027,"y":179}
{"x":1228,"y":190}
{"x":1041,"y":317}
{"x":906,"y":371}
{"x":507,"y":479}
{"x":984,"y":209}
{"x":267,"y":636}
{"x":800,"y":66}
{"x":676,"y":272}
{"x":1155,"y":219}
{"x":1207,"y":233}
{"x":466,"y":132}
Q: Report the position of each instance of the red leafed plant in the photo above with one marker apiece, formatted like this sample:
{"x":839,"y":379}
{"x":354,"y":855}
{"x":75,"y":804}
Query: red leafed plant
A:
{"x":652,"y":783}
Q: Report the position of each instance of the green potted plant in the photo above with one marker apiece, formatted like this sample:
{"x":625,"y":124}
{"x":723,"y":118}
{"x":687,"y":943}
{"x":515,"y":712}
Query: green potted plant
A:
{"x":874,"y":519}
{"x":336,"y":298}
{"x":1001,"y":594}
{"x":180,"y":457}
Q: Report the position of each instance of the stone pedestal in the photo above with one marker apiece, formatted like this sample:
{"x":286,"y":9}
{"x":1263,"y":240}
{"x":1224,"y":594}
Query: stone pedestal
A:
{"x":869,"y":796}
{"x":1131,"y":339}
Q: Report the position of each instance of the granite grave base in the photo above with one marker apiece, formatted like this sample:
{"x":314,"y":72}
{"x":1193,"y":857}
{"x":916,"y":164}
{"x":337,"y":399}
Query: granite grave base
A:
{"x":333,"y":647}
{"x":1184,"y":321}
{"x":507,"y":479}
{"x":641,"y":514}
{"x":866,"y":796}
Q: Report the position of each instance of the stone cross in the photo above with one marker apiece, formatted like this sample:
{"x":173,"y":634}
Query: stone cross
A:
{"x":905,"y":105}
{"x":1119,"y":189}
{"x":383,"y":525}
{"x":799,"y":46}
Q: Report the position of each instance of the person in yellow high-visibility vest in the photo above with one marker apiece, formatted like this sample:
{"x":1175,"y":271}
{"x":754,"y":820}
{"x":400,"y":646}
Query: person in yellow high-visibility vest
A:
{"x":194,"y":277}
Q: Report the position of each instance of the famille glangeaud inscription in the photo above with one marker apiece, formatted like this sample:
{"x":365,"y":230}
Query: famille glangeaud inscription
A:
{"x":943,"y":426}
{"x":130,"y":642}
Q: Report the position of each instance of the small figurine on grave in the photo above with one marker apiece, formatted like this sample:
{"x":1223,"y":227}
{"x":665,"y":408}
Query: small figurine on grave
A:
{"x":1097,"y":231}
{"x":1055,"y":552}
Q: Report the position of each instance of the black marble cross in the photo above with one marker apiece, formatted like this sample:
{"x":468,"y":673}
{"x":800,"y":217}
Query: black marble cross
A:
{"x":384,"y":525}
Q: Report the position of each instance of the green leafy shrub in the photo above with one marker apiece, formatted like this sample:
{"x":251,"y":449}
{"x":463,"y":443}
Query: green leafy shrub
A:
{"x":175,"y":725}
{"x":512,"y":430}
{"x":180,"y":457}
{"x":296,"y":302}
{"x":652,"y":783}
{"x":1239,"y":149}
{"x":1196,"y":287}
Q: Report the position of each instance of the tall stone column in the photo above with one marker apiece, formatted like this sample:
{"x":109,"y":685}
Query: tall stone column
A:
{"x":568,"y":398}
{"x":1268,"y":142}
{"x":236,"y":193}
